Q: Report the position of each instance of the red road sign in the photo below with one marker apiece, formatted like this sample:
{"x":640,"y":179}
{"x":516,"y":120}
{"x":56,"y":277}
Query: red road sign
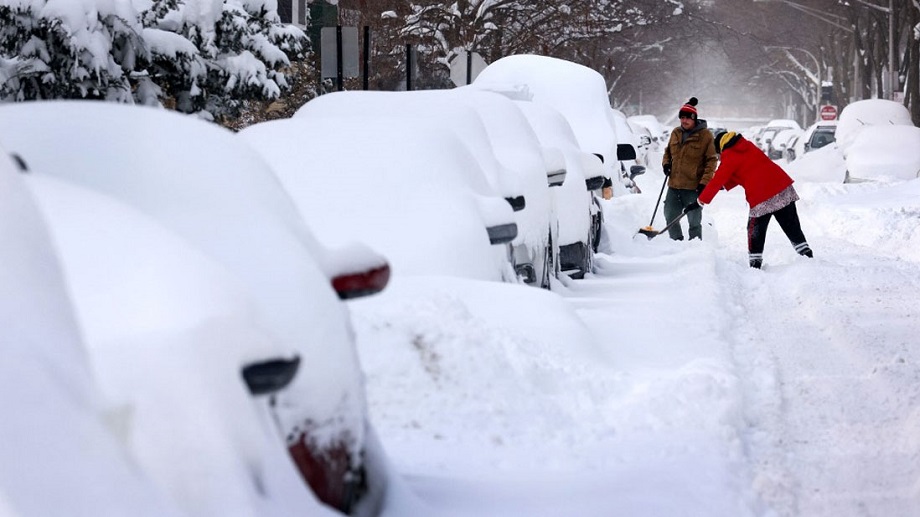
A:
{"x":828,"y":112}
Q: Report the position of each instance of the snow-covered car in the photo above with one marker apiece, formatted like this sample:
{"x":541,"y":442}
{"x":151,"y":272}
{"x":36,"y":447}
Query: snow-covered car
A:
{"x":576,"y":91}
{"x":768,"y":132}
{"x":629,"y":142}
{"x":753,"y":134}
{"x":520,"y":177}
{"x":658,"y":132}
{"x":883,"y":153}
{"x":179,"y":355}
{"x":781,"y":140}
{"x":791,"y":152}
{"x":646,"y":142}
{"x":870,"y":112}
{"x":577,"y":206}
{"x":538,"y":168}
{"x":413,"y":191}
{"x":55,"y":432}
{"x":816,"y":136}
{"x":205,"y":185}
{"x":878,"y":141}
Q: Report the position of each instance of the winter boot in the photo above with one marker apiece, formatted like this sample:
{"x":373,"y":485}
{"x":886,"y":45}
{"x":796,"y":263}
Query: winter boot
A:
{"x":803,"y":250}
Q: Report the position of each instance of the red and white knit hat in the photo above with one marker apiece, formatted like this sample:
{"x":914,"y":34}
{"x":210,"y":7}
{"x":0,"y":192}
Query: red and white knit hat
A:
{"x":689,"y":108}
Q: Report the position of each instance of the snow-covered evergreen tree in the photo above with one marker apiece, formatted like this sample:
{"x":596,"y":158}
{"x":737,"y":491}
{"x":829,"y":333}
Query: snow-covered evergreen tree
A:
{"x":59,"y":49}
{"x":199,"y":56}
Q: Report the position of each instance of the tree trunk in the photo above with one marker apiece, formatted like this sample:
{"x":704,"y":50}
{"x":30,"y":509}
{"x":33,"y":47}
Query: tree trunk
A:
{"x":912,"y":85}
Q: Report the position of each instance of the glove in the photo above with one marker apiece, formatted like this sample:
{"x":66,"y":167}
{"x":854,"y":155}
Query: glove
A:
{"x":667,"y":169}
{"x":699,"y":189}
{"x":695,"y":205}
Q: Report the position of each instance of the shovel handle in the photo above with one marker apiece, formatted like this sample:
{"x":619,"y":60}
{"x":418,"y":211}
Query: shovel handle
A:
{"x":669,"y":225}
{"x":655,"y":212}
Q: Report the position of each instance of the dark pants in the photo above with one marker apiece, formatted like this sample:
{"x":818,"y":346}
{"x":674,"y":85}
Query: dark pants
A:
{"x":788,"y":219}
{"x":674,"y":204}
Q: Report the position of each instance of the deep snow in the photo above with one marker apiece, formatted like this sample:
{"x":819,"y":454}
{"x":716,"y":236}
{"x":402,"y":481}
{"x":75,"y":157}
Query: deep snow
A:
{"x":686,"y":384}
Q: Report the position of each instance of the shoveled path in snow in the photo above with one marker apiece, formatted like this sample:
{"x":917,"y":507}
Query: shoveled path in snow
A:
{"x":836,"y":430}
{"x":674,"y":380}
{"x":825,"y":352}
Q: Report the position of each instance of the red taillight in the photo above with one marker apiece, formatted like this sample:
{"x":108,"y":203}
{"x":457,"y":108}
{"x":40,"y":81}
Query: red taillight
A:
{"x":356,"y":285}
{"x":329,"y":472}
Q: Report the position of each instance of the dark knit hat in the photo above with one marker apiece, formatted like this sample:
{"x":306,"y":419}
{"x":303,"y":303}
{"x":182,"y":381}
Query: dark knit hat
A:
{"x":689,"y":109}
{"x":725,"y":139}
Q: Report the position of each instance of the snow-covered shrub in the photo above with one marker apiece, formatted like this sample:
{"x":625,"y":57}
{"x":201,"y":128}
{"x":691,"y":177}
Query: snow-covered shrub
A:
{"x":199,"y":56}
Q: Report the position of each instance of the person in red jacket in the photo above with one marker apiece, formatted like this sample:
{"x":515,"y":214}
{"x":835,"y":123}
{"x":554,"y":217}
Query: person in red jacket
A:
{"x":768,"y":190}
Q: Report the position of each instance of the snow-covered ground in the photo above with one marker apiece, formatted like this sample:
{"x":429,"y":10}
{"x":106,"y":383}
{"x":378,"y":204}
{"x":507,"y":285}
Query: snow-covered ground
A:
{"x":673,"y":381}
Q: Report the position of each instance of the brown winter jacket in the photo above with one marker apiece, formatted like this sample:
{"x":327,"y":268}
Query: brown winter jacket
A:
{"x":692,"y":156}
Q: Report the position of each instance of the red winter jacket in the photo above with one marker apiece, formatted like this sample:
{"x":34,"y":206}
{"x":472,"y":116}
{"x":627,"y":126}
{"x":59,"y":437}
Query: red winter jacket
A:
{"x":746,"y":165}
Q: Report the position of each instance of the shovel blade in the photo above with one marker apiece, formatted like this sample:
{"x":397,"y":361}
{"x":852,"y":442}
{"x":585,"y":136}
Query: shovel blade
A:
{"x":649,"y":232}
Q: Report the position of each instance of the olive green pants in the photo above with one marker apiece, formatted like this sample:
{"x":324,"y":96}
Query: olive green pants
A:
{"x":674,"y":203}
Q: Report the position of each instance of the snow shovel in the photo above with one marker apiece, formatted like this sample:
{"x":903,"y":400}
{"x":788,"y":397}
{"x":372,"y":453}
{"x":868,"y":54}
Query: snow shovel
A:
{"x":649,"y":231}
{"x":676,"y":220}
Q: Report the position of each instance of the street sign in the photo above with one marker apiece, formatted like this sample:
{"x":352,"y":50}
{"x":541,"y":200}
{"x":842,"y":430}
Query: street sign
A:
{"x":464,"y":67}
{"x":329,"y":55}
{"x":828,"y":112}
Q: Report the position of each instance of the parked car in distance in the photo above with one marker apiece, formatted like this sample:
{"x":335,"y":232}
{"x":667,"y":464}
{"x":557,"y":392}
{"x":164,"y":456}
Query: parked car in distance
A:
{"x":766,"y":135}
{"x":629,"y":143}
{"x":781,"y":141}
{"x":790,"y":153}
{"x":408,"y":188}
{"x":815,"y":136}
{"x":202,"y":183}
{"x":539,"y":168}
{"x":577,"y":206}
{"x":523,"y":181}
{"x":577,"y":92}
{"x":818,"y":135}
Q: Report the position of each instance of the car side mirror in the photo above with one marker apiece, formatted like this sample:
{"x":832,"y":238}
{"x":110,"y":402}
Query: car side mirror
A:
{"x":502,"y":233}
{"x":556,"y":178}
{"x":626,"y":152}
{"x":517,"y":203}
{"x":595,"y":183}
{"x":270,"y":376}
{"x":636,"y":170}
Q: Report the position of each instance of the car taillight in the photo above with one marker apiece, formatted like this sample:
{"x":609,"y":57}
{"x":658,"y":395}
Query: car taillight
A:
{"x":329,"y":472}
{"x":356,"y":285}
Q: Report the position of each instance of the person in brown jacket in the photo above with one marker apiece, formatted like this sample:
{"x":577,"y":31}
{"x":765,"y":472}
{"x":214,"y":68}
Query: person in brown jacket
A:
{"x":689,"y":162}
